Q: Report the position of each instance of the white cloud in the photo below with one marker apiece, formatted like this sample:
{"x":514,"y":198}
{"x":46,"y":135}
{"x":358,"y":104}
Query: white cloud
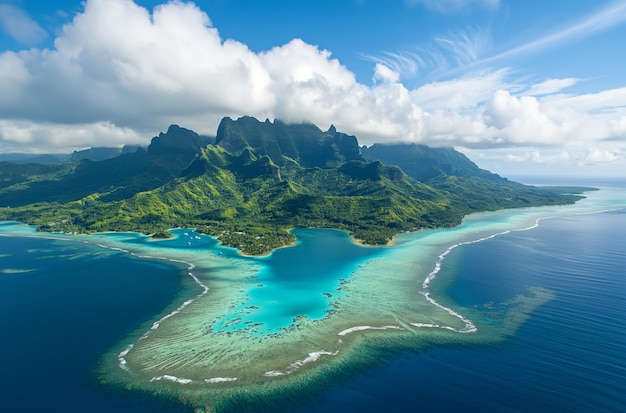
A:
{"x":308,"y":85}
{"x":17,"y":24}
{"x":550,"y":86}
{"x":522,"y":120}
{"x":540,"y":156}
{"x":608,"y":16}
{"x":459,"y":94}
{"x":606,"y":99}
{"x":456,"y":48}
{"x":119,"y":74}
{"x":596,"y":156}
{"x":405,"y":63}
{"x":552,"y":158}
{"x":14,"y":73}
{"x":31,"y":137}
{"x":382,"y":72}
{"x":115,"y":62}
{"x":464,"y":46}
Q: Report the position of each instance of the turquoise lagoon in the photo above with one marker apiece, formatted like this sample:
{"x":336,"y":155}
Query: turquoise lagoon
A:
{"x":246,"y":332}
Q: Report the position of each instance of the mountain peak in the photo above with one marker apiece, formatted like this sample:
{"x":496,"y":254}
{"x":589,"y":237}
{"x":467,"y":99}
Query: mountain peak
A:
{"x":177,"y":140}
{"x":304,"y":143}
{"x":264,"y":177}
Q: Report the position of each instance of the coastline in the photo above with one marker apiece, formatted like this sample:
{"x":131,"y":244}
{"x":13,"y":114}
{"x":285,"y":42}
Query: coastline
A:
{"x":364,"y":316}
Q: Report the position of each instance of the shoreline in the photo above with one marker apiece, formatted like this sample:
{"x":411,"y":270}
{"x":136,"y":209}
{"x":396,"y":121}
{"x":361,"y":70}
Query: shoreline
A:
{"x":164,"y":235}
{"x":357,"y":305}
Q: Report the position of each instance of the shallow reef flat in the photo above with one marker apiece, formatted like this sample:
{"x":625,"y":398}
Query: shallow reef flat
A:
{"x":382,"y":303}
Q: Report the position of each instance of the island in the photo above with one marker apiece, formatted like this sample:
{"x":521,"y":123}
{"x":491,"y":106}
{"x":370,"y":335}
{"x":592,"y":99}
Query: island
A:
{"x":257,"y":325}
{"x":255,"y":181}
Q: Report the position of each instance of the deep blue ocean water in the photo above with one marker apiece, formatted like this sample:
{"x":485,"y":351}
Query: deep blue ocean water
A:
{"x":57,"y":320}
{"x":568,"y":357}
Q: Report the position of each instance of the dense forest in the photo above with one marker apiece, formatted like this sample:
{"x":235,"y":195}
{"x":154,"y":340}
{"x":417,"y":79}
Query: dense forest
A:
{"x":255,"y":181}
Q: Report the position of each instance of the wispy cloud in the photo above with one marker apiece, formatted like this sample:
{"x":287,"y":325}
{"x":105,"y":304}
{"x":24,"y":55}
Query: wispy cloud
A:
{"x":450,"y":6}
{"x":605,"y":18}
{"x":144,"y":70}
{"x":465,"y":50}
{"x":457,"y":48}
{"x":18,"y":25}
{"x":463,"y":46}
{"x":404,"y":63}
{"x":550,"y":86}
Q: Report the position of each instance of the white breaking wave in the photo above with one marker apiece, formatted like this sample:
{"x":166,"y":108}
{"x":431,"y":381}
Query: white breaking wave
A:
{"x":122,"y":357}
{"x":362,"y":328}
{"x":220,"y":380}
{"x":469,"y":327}
{"x":273,"y":373}
{"x":173,"y":379}
{"x":190,"y":266}
{"x":312,"y":357}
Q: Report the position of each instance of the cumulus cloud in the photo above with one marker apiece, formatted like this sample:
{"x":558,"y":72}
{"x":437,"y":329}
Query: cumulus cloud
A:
{"x":117,"y":62}
{"x":385,"y":74}
{"x":31,"y":137}
{"x":459,"y":94}
{"x":18,"y":24}
{"x":119,"y":74}
{"x":522,"y":120}
{"x":596,"y":156}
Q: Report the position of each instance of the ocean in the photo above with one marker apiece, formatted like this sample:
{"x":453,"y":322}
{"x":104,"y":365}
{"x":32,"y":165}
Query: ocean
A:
{"x":63,"y":304}
{"x":569,"y":355}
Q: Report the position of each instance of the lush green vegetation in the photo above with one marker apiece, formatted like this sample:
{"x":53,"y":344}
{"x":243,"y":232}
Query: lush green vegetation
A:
{"x":258,"y":180}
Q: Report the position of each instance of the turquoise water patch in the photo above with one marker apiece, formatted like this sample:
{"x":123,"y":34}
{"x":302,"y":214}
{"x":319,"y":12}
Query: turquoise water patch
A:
{"x":182,"y":238}
{"x":173,"y":351}
{"x":295,"y":282}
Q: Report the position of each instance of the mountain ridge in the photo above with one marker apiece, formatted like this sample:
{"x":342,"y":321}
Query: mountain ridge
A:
{"x":257,"y":180}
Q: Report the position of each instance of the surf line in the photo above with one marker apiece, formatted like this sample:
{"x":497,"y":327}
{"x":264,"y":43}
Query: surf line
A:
{"x":469,"y":327}
{"x":121,"y":357}
{"x":313,"y":357}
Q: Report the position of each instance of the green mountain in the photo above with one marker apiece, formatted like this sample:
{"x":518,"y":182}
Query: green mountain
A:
{"x":30,"y":158}
{"x":306,"y":143}
{"x":424,"y":163}
{"x":469,"y":188}
{"x":257,"y":180}
{"x":101,"y":154}
{"x":111,"y":179}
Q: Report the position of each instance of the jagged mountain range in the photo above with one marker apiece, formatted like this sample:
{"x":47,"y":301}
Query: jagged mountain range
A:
{"x":257,"y":179}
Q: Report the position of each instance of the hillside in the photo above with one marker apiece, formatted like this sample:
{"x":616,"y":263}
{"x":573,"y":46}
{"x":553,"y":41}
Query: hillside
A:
{"x":469,"y":188}
{"x":256,"y":181}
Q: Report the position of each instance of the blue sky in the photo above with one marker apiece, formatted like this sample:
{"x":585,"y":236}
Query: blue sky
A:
{"x":522,"y":87}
